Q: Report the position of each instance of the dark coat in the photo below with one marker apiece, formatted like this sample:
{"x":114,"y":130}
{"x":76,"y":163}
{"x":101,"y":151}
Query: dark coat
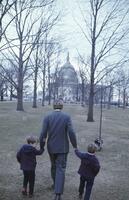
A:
{"x":26,"y":156}
{"x":90,"y":166}
{"x":58,"y":129}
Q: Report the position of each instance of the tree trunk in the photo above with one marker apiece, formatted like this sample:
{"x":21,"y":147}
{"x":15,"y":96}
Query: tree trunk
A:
{"x":104,"y":98}
{"x":43,"y":98}
{"x":35,"y":88}
{"x":101,"y":115}
{"x":82,"y":89}
{"x":20,"y":82}
{"x":124,"y":97}
{"x":20,"y":98}
{"x":91,"y":96}
{"x":35,"y":93}
{"x":1,"y":95}
{"x":35,"y":79}
{"x":119,"y":98}
{"x":109,"y":97}
{"x":44,"y":82}
{"x":11,"y":92}
{"x":49,"y":84}
{"x":91,"y":104}
{"x":77,"y":93}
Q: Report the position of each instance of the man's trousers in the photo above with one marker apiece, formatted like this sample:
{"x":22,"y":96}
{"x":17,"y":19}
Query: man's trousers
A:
{"x":58,"y":166}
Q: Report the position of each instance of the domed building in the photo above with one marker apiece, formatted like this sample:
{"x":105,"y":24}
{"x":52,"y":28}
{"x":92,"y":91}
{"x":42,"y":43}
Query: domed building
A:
{"x":68,"y":82}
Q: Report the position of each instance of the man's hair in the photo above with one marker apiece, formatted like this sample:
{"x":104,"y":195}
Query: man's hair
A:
{"x":91,"y":148}
{"x":58,"y":104}
{"x":31,"y":139}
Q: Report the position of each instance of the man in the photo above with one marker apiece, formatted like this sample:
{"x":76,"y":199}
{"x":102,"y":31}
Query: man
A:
{"x":57,"y":129}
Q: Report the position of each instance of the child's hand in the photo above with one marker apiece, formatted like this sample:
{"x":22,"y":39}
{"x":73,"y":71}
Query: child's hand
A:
{"x":37,"y":140}
{"x":36,"y":145}
{"x":76,"y":149}
{"x":42,"y":149}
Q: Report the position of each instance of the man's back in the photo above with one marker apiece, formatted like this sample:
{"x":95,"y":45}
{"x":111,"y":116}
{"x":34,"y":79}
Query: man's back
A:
{"x":57,"y":127}
{"x":57,"y":130}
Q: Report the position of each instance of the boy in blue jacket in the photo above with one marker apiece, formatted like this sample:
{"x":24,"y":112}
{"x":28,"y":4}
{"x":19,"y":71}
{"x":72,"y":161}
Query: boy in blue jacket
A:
{"x":26,"y":156}
{"x":89,"y":168}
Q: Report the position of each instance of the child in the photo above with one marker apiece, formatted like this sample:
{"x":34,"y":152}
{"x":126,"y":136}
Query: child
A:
{"x":26,"y":156}
{"x":89,"y":168}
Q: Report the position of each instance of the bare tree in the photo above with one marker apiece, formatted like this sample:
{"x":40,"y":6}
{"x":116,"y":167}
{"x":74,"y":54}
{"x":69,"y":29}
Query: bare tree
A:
{"x":26,"y":36}
{"x":83,"y":84}
{"x":5,"y":6}
{"x":109,"y":83}
{"x":123,"y":86}
{"x":37,"y":63}
{"x":55,"y":76}
{"x":105,"y":28}
{"x":2,"y":84}
{"x":50,"y":47}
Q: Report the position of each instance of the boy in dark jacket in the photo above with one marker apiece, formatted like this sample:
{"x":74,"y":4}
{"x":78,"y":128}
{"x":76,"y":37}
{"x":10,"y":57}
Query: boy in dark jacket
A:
{"x":89,"y":168}
{"x":26,"y":156}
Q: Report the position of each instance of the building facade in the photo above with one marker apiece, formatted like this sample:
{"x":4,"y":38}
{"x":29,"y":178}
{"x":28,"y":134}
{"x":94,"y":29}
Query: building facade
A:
{"x":68,"y":82}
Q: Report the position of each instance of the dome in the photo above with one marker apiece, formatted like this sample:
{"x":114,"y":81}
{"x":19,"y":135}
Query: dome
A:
{"x":67,"y":73}
{"x":68,"y":82}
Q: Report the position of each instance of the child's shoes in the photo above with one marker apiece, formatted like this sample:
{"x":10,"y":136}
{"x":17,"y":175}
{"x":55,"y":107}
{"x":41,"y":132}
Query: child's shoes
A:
{"x":24,"y":192}
{"x":80,"y":196}
{"x":30,"y":195}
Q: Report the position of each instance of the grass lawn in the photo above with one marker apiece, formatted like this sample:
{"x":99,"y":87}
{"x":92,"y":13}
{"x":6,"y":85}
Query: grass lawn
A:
{"x":112,"y":183}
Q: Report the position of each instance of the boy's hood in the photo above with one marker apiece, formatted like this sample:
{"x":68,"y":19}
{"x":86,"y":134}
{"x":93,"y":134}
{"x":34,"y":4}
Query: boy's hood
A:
{"x":27,"y":148}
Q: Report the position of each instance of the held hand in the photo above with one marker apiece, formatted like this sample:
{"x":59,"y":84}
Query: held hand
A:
{"x":75,"y":149}
{"x":42,"y":149}
{"x":42,"y":143}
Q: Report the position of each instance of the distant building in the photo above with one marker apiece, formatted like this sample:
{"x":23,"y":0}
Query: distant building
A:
{"x":65,"y":84}
{"x":68,"y":82}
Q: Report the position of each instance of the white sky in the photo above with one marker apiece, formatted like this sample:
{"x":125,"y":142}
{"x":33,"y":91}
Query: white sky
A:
{"x":72,"y":37}
{"x":69,"y":29}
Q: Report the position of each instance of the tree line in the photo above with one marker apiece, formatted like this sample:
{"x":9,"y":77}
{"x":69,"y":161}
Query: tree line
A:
{"x":29,"y":51}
